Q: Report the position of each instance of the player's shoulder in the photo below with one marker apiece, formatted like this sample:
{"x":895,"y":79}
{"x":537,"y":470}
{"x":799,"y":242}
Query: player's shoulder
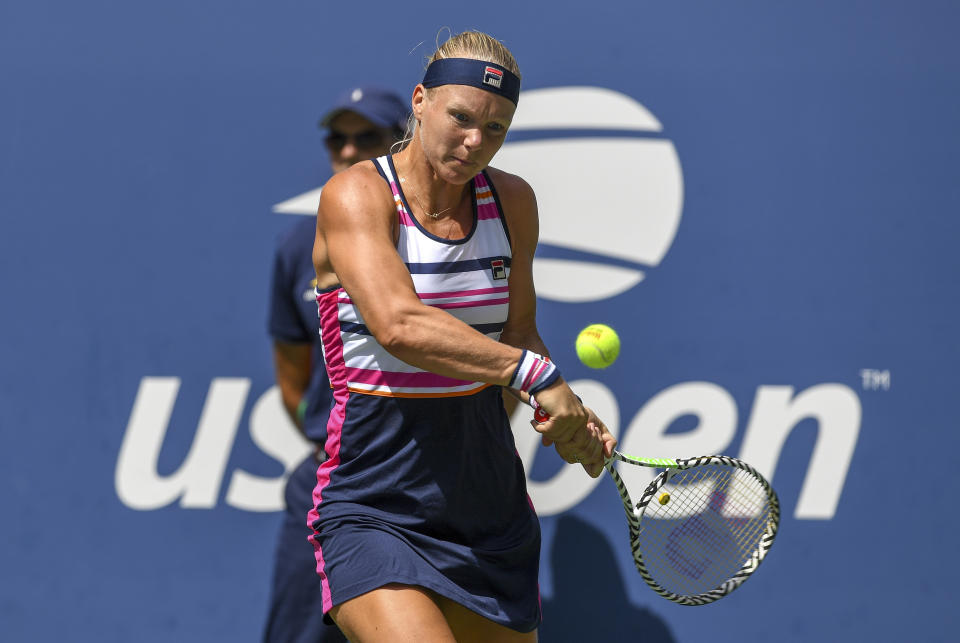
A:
{"x":354,"y":199}
{"x":359,"y":183}
{"x":515,"y":194}
{"x":509,"y":186}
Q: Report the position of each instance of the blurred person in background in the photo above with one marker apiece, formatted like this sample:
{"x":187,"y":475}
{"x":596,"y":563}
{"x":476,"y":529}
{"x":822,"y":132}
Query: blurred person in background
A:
{"x":363,"y":124}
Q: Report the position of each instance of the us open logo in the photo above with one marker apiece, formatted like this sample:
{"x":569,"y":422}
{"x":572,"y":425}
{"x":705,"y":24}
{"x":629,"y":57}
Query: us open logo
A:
{"x":492,"y":76}
{"x":609,"y":187}
{"x":611,"y":192}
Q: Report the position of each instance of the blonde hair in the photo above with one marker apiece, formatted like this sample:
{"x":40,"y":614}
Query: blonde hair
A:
{"x":469,"y":44}
{"x":478,"y":46}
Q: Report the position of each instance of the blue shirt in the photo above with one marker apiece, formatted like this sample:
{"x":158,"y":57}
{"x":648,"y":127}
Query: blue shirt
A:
{"x":293,"y":317}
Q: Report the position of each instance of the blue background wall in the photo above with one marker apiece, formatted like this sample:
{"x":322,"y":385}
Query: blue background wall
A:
{"x":144,"y":145}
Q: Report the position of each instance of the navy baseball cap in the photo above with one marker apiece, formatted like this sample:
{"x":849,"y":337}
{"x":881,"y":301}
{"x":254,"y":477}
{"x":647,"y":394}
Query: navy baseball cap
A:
{"x":379,"y":106}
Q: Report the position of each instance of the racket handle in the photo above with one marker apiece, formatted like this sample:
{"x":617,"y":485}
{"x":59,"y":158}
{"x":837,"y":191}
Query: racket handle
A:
{"x":539,"y":414}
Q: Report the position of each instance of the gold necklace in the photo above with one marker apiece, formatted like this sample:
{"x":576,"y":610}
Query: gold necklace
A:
{"x":432,"y":215}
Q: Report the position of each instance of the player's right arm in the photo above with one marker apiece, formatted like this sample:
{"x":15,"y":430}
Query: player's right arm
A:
{"x":356,"y":248}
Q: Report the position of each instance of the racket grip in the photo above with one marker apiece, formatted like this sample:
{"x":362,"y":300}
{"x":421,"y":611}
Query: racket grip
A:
{"x":538,"y":413}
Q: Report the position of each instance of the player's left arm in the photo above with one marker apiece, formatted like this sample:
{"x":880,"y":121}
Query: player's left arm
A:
{"x":520,"y":212}
{"x":520,"y":330}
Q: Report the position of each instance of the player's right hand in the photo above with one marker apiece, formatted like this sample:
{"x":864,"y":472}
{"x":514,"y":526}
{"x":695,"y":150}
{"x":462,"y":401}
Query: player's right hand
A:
{"x":568,"y":417}
{"x":589,"y":444}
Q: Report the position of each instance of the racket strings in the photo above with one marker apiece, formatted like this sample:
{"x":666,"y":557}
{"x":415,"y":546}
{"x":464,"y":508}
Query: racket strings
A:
{"x":710,"y":527}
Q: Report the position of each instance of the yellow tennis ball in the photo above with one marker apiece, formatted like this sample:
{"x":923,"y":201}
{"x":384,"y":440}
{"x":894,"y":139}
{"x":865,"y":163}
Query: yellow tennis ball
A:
{"x":664,"y":498}
{"x":598,"y":346}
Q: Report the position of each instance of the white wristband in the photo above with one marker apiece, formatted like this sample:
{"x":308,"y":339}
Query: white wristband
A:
{"x":534,"y":372}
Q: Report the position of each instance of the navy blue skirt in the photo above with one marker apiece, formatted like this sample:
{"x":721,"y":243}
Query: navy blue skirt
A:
{"x":428,"y":492}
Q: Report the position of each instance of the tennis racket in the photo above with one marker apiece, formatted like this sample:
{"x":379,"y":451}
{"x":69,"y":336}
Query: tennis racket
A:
{"x":701,"y":527}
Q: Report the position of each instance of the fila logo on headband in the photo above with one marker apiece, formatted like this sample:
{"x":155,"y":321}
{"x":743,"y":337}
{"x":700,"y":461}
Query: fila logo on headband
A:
{"x":492,"y":76}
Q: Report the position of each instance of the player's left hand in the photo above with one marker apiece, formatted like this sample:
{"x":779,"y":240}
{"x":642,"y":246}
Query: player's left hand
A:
{"x":609,"y":442}
{"x":590,"y":447}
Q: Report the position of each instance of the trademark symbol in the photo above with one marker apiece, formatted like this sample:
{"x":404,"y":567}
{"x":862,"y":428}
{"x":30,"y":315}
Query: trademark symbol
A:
{"x":874,"y":379}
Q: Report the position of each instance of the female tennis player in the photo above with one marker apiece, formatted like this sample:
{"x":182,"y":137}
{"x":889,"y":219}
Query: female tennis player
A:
{"x":423,"y":530}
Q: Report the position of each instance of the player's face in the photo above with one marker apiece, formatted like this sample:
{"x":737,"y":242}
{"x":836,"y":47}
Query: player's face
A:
{"x":352,"y":138}
{"x":461,"y":128}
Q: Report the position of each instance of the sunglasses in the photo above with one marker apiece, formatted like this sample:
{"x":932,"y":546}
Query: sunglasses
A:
{"x":365,"y":140}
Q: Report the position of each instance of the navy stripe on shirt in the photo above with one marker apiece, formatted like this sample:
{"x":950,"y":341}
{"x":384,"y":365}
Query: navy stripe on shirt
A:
{"x":455,"y":266}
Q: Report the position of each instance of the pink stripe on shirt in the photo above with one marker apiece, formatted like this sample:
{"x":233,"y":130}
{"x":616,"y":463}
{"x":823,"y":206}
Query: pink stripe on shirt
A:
{"x":462,"y":293}
{"x":402,"y":380}
{"x":337,"y":371}
{"x":405,"y":219}
{"x":472,"y":304}
{"x":452,"y":304}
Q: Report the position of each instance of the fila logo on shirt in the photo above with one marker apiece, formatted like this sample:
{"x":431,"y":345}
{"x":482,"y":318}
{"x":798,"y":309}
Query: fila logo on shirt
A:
{"x":492,"y":76}
{"x":499,"y":269}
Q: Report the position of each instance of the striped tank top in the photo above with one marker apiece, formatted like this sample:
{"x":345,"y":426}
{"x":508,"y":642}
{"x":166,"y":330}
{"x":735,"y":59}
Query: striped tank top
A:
{"x":422,"y":484}
{"x":465,"y":277}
